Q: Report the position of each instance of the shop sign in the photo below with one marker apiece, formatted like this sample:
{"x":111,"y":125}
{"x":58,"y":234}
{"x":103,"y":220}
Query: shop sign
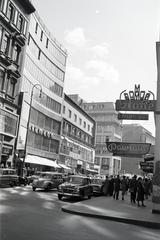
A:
{"x":126,"y":116}
{"x":128,"y":149}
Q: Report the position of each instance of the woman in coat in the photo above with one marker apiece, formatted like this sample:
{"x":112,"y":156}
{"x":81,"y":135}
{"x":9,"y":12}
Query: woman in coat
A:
{"x":140,"y":192}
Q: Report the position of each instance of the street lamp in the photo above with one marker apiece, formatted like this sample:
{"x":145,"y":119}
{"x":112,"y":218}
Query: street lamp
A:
{"x":29,"y":114}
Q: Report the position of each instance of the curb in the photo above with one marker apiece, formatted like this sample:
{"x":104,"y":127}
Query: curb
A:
{"x":137,"y":222}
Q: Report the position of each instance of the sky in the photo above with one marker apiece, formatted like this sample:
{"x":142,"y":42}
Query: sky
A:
{"x":111,"y":46}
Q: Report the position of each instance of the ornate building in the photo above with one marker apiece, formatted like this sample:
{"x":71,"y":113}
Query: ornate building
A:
{"x":14,"y":19}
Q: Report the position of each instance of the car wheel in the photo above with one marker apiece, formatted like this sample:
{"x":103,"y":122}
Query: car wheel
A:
{"x":11,"y":184}
{"x":34,"y":188}
{"x":59,"y":196}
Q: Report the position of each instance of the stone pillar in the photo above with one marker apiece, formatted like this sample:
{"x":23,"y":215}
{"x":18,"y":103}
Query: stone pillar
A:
{"x":156,"y":175}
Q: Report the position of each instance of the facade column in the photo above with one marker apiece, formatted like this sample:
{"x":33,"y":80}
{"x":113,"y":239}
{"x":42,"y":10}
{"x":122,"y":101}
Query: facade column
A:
{"x":156,"y":175}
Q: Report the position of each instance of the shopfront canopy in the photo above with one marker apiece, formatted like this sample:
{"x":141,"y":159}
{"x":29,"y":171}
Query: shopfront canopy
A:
{"x":64,"y":166}
{"x":41,"y":161}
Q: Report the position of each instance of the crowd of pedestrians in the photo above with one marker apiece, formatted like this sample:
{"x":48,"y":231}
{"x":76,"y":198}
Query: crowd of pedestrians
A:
{"x":138,"y":188}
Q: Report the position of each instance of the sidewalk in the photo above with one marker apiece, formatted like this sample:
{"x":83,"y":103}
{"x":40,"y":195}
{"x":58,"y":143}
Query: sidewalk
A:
{"x":116,"y":210}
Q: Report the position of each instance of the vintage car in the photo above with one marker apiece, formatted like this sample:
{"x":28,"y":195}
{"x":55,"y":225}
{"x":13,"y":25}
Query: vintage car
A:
{"x":31,"y":178}
{"x":47,"y":180}
{"x":8,"y":177}
{"x":97,"y":185}
{"x":76,"y":186}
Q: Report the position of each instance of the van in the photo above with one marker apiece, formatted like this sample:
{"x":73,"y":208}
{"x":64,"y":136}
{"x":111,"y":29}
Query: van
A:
{"x":8,"y":177}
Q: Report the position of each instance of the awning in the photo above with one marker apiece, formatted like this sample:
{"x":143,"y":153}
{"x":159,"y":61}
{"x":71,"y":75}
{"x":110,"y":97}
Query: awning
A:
{"x":41,"y":161}
{"x":64,"y":166}
{"x":91,"y":170}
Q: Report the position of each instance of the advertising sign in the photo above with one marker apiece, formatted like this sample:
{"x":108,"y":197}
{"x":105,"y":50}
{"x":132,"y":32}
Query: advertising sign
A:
{"x":132,"y":116}
{"x":136,"y":105}
{"x":128,"y":149}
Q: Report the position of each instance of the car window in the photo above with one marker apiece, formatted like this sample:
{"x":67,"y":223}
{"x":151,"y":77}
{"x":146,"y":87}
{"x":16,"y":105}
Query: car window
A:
{"x":75,"y":180}
{"x":45,"y":175}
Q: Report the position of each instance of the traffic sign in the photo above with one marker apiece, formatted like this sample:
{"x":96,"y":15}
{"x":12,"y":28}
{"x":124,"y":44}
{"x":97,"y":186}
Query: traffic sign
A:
{"x":128,"y":149}
{"x":132,"y":116}
{"x":135,"y":105}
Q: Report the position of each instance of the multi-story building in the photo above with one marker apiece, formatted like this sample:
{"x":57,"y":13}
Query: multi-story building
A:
{"x":108,"y":128}
{"x":135,"y":133}
{"x":42,"y":96}
{"x":77,"y":149}
{"x":14,"y":19}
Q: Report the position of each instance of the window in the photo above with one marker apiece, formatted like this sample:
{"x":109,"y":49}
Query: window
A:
{"x":64,"y":109}
{"x":5,"y":43}
{"x":80,"y":121}
{"x":41,"y":38}
{"x":47,"y":41}
{"x":11,"y":87}
{"x":10,"y":11}
{"x":16,"y":53}
{"x":75,"y":117}
{"x":20,"y":22}
{"x":2,"y":78}
{"x":1,"y":33}
{"x":70,"y":113}
{"x":84,"y":124}
{"x":36,"y":29}
{"x":88,"y":127}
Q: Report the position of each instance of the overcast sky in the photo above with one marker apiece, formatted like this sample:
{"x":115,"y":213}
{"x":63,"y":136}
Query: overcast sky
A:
{"x":110,"y":44}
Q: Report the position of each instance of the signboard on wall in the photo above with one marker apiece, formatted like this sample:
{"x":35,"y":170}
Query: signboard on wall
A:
{"x":127,"y":116}
{"x":136,"y":105}
{"x":128,"y":149}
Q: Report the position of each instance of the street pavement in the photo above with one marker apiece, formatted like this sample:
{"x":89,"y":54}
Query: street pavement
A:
{"x":116,"y":210}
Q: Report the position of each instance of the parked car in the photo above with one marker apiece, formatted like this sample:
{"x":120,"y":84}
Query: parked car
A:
{"x":8,"y":177}
{"x":97,"y":185}
{"x":77,"y":186}
{"x":47,"y":180}
{"x":31,"y":178}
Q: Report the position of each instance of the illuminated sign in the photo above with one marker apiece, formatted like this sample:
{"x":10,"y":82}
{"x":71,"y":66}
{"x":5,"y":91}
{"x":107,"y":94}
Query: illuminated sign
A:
{"x":135,"y":105}
{"x":128,"y":149}
{"x":132,"y":116}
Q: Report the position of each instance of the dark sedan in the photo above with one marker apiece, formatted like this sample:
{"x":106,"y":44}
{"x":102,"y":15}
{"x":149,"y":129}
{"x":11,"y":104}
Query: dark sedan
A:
{"x":97,"y":185}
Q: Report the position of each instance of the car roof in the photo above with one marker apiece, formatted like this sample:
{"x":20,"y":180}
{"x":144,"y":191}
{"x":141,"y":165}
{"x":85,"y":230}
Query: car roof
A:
{"x":52,"y":173}
{"x":80,"y":176}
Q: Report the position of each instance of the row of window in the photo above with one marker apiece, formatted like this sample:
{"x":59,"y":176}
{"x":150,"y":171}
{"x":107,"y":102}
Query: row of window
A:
{"x":76,"y":119}
{"x":46,"y":62}
{"x":76,"y":133}
{"x":14,"y":16}
{"x":102,"y":139}
{"x":42,"y":78}
{"x":83,"y":152}
{"x":42,"y":143}
{"x":7,"y":84}
{"x":9,"y":47}
{"x":54,"y":51}
{"x":45,"y":100}
{"x":43,"y":121}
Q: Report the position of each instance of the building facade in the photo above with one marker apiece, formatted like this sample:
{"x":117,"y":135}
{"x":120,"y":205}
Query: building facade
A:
{"x":135,"y":133}
{"x":42,"y":96}
{"x":77,"y":149}
{"x":108,"y":128}
{"x":14,"y":19}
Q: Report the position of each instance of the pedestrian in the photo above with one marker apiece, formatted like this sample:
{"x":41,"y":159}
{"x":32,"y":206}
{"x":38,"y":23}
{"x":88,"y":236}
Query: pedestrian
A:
{"x":140,"y":192}
{"x":133,"y":189}
{"x":111,"y":186}
{"x":123,"y":186}
{"x":116,"y":187}
{"x":105,"y":186}
{"x":146,"y":185}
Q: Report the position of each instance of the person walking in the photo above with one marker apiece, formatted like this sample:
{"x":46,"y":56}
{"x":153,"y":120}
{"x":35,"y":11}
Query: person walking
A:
{"x":116,"y":187}
{"x":140,"y":192}
{"x":133,"y":189}
{"x":123,"y":186}
{"x":106,"y":186}
{"x":111,"y":186}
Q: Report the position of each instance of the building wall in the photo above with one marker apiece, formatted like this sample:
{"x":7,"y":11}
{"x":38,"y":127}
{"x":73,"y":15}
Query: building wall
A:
{"x":78,"y":137}
{"x":137,"y":134}
{"x":44,"y":69}
{"x":14,"y":19}
{"x":108,"y":128}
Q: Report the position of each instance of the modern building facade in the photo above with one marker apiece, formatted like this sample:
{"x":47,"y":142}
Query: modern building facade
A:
{"x":14,"y":19}
{"x":108,"y":128}
{"x":42,"y":97}
{"x":77,"y":149}
{"x":135,"y":133}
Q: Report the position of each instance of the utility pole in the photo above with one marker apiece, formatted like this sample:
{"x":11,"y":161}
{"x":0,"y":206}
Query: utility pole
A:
{"x":156,"y":175}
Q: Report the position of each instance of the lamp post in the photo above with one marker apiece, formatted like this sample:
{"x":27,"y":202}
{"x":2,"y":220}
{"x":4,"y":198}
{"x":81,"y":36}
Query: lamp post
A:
{"x":29,"y":114}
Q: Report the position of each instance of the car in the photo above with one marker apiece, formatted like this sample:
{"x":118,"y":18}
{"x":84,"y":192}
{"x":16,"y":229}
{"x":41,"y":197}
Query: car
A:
{"x":31,"y":178}
{"x":77,"y":186}
{"x":47,"y":181}
{"x":9,"y":177}
{"x":97,"y":185}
